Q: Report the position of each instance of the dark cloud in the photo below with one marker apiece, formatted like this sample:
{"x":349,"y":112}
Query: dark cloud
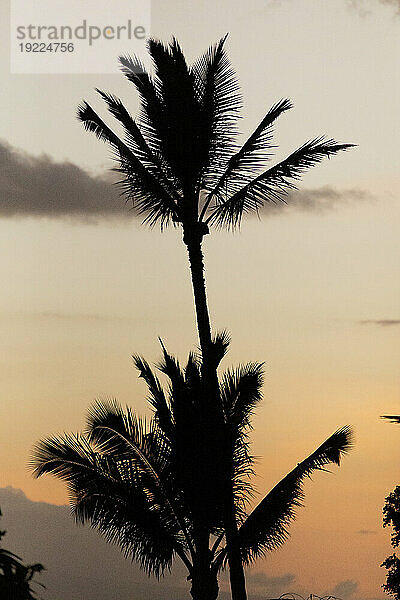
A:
{"x":37,"y":186}
{"x":366,"y":532}
{"x":40,"y":187}
{"x":270,"y":586}
{"x":79,"y":563}
{"x":344,"y":589}
{"x":381,"y":322}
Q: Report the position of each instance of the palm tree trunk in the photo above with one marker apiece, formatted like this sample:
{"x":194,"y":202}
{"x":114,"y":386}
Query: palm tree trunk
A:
{"x":204,"y":578}
{"x":237,"y":579}
{"x":236,"y":571}
{"x":204,"y":583}
{"x":200,"y":298}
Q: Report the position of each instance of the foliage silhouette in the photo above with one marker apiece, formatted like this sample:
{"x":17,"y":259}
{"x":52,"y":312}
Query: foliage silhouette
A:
{"x":391,"y":516}
{"x":141,"y":483}
{"x":180,"y":164}
{"x":15,"y":577}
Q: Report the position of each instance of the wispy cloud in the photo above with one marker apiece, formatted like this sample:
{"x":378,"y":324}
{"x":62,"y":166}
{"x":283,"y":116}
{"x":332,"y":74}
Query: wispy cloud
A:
{"x":381,"y":322}
{"x":395,"y":3}
{"x":274,"y":586}
{"x":344,"y":589}
{"x":319,"y":200}
{"x":364,"y":7}
{"x":366,"y":532}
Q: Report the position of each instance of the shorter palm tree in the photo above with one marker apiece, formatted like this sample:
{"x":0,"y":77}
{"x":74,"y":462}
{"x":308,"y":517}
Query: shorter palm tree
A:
{"x":142,"y":484}
{"x":391,"y":517}
{"x":16,"y":579}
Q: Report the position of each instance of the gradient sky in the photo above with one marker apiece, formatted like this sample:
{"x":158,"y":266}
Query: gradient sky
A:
{"x":313,"y":289}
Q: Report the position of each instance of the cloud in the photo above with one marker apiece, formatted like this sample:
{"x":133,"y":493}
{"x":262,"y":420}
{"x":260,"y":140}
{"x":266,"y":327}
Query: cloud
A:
{"x":344,"y":589}
{"x":37,"y":186}
{"x":40,"y":187}
{"x":318,"y":200}
{"x":78,"y":562}
{"x":72,"y":317}
{"x":395,"y":3}
{"x":366,"y":532}
{"x":272,"y":586}
{"x":364,"y":7}
{"x":381,"y":322}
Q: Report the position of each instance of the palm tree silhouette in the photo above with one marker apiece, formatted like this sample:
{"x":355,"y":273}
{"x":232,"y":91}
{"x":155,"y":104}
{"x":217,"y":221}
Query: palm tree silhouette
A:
{"x":141,"y":484}
{"x":391,"y":517}
{"x":16,"y":578}
{"x":181,"y":164}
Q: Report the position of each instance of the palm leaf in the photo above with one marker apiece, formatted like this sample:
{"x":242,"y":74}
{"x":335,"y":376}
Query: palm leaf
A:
{"x":140,"y":185}
{"x":274,"y":183}
{"x":137,"y":143}
{"x":266,"y":528}
{"x":240,"y":394}
{"x":217,"y":91}
{"x":157,"y":399}
{"x":219,"y":347}
{"x":252,"y":155}
{"x":391,"y":418}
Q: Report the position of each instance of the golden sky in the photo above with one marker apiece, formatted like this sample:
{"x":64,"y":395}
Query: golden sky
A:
{"x":313,"y":290}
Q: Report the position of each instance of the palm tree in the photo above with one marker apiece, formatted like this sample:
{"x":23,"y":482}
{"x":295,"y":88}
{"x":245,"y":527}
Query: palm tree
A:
{"x":391,"y":516}
{"x":180,"y":164}
{"x":15,"y":577}
{"x":141,"y":484}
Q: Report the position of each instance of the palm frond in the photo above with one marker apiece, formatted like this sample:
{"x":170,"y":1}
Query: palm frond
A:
{"x":119,"y":432}
{"x":140,"y":185}
{"x":240,"y":391}
{"x":193,"y":372}
{"x":138,"y":145}
{"x":219,"y":347}
{"x":152,"y":118}
{"x":391,"y":418}
{"x":251,"y":156}
{"x":157,"y":399}
{"x":217,"y":91}
{"x":240,"y":394}
{"x":71,"y":458}
{"x":274,"y":183}
{"x":266,"y":528}
{"x":180,"y":137}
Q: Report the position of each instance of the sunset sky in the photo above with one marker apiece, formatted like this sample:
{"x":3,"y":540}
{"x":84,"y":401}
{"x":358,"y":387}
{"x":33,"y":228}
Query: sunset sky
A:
{"x":312,"y":289}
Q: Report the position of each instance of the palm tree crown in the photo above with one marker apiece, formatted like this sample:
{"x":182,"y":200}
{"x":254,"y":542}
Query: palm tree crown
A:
{"x":180,"y":161}
{"x":142,"y":483}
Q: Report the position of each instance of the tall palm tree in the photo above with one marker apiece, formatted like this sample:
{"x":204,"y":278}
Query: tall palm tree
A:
{"x":141,"y":484}
{"x":180,"y":164}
